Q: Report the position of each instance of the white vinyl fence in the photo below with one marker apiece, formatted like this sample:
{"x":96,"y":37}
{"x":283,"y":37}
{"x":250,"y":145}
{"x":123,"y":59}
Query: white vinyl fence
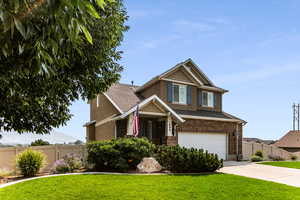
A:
{"x":52,"y":152}
{"x":249,"y":149}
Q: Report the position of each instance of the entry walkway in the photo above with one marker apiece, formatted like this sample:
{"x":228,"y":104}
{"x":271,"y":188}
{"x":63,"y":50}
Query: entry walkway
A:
{"x":282,"y":175}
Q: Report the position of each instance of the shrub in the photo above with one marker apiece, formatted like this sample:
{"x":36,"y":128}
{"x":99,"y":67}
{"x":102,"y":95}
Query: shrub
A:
{"x":276,"y":158}
{"x":39,"y":142}
{"x":255,"y":158}
{"x":30,"y":162}
{"x":180,"y":159}
{"x":259,"y":154}
{"x":60,"y":167}
{"x":69,"y":163}
{"x":294,"y":157}
{"x":119,"y":154}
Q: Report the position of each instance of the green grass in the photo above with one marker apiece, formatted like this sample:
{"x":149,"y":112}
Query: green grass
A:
{"x":288,"y":164}
{"x":125,"y":187}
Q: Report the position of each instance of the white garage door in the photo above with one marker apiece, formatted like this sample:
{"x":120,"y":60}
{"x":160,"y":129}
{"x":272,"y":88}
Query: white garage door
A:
{"x":212,"y":142}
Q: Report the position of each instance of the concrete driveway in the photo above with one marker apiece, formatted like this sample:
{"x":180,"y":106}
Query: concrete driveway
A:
{"x":282,"y":175}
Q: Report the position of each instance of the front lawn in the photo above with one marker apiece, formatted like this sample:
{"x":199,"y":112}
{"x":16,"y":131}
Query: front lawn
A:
{"x":289,"y":164}
{"x":127,"y":187}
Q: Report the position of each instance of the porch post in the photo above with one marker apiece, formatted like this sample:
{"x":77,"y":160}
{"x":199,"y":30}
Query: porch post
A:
{"x":169,"y":125}
{"x":129,"y":125}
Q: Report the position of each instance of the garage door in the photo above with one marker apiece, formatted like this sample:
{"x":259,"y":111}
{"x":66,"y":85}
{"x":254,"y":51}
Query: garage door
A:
{"x":212,"y":142}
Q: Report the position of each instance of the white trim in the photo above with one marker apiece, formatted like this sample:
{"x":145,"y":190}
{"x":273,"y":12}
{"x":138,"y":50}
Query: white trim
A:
{"x":201,"y":72}
{"x":108,"y":119}
{"x":209,"y":118}
{"x":113,"y":103}
{"x":180,"y":82}
{"x":98,"y":101}
{"x":89,"y":123}
{"x":170,"y":70}
{"x":213,"y":88}
{"x":191,"y":73}
{"x":152,"y":113}
{"x":159,"y":108}
{"x":146,"y":102}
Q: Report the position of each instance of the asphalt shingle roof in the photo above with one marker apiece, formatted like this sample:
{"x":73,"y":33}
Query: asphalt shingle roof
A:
{"x":203,"y":113}
{"x":123,"y":95}
{"x":291,"y":139}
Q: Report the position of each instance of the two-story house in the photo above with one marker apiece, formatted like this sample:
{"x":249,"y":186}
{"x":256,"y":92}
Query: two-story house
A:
{"x":180,"y":106}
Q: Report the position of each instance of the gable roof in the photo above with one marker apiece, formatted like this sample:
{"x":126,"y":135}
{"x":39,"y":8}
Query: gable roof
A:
{"x":187,"y":65}
{"x":122,"y":96}
{"x":291,"y":140}
{"x":149,"y":100}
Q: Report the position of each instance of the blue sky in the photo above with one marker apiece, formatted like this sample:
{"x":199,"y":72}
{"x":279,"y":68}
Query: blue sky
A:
{"x":251,"y":48}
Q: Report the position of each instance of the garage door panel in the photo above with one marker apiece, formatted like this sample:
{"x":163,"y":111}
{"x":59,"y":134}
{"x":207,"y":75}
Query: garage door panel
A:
{"x":212,"y":142}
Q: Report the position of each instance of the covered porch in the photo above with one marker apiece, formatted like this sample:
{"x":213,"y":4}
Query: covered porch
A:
{"x":157,"y":122}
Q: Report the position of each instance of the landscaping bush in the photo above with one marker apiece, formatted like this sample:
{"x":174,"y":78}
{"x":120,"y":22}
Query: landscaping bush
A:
{"x":180,"y":159}
{"x":256,"y":158}
{"x":30,"y":162}
{"x":276,"y":158}
{"x":69,"y":163}
{"x":119,"y":154}
{"x":294,"y":157}
{"x":39,"y":142}
{"x":259,"y":153}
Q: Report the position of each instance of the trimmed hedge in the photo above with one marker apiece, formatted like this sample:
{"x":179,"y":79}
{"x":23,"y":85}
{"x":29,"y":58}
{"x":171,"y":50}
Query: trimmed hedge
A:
{"x":119,"y":154}
{"x":123,"y":154}
{"x":180,"y":159}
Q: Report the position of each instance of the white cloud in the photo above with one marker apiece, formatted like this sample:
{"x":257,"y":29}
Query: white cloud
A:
{"x":154,"y":43}
{"x":144,"y":13}
{"x":192,"y":25}
{"x":202,"y":25}
{"x":257,"y":74}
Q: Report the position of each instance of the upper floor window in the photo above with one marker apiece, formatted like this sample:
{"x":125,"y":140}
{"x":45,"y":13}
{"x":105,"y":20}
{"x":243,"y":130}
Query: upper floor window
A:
{"x":179,"y":93}
{"x":207,"y":99}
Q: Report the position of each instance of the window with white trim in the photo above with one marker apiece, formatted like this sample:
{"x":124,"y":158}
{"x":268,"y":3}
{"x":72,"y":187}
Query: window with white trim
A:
{"x":207,"y":99}
{"x":179,"y":93}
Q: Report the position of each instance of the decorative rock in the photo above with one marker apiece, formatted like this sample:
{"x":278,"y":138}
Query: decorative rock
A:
{"x":149,"y":165}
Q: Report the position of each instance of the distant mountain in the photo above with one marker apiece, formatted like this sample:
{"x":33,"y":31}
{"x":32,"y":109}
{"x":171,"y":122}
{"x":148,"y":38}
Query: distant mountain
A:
{"x":257,"y":140}
{"x":14,"y":138}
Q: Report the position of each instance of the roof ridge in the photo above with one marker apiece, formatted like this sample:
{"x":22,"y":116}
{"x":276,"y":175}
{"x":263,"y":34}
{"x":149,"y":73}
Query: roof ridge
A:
{"x":127,"y":84}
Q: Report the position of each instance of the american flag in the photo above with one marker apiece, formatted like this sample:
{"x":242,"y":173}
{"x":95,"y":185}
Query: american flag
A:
{"x":136,"y":123}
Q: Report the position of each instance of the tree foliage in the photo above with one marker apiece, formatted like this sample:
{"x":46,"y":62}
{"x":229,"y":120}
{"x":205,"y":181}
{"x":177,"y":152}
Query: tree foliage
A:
{"x":39,"y":142}
{"x":54,"y":52}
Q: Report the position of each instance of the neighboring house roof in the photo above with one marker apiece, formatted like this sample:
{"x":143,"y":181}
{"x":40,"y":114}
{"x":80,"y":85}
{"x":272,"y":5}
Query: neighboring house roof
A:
{"x":257,"y":140}
{"x":210,"y":84}
{"x":291,"y":140}
{"x":122,"y":96}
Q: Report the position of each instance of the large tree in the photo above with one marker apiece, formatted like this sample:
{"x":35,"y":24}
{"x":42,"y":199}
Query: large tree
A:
{"x":54,"y":52}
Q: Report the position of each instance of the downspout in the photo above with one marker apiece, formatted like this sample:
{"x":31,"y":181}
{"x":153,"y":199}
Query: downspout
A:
{"x":237,"y":141}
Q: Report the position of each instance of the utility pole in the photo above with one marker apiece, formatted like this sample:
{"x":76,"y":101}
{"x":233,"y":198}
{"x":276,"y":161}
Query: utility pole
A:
{"x":296,"y":117}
